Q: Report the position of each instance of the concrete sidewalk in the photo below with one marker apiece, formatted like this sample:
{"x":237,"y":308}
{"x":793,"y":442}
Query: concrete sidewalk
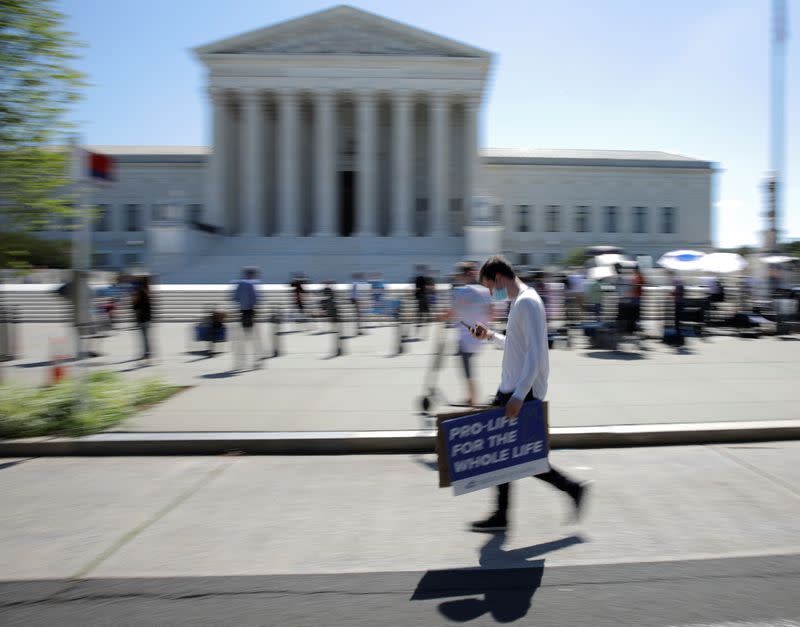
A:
{"x":228,"y":516}
{"x":721,"y":379}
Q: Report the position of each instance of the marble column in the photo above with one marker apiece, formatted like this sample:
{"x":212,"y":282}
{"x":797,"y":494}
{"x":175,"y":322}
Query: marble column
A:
{"x":218,"y":184}
{"x":324,"y":163}
{"x":288,"y":160}
{"x":252,"y":170}
{"x":471,"y":156}
{"x":439,"y":171}
{"x":367,"y":161}
{"x":401,"y":164}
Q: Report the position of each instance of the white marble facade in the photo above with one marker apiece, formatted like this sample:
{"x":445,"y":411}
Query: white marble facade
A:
{"x":342,"y":123}
{"x":343,"y":141}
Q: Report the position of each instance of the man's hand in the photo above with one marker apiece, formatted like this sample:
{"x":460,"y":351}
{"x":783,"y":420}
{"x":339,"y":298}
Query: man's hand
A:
{"x":481,"y":332}
{"x":513,"y":407}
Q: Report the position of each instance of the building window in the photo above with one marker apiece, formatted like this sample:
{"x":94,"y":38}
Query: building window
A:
{"x":497,"y":210}
{"x":524,"y":259}
{"x":582,"y":217}
{"x":195,"y":214}
{"x":612,"y":215}
{"x":132,"y":218}
{"x":101,"y":260}
{"x":640,"y":219}
{"x":131,"y":259}
{"x":159,"y":212}
{"x":553,"y":219}
{"x":553,"y":258}
{"x":669,"y":219}
{"x":524,"y":214}
{"x":102,"y":218}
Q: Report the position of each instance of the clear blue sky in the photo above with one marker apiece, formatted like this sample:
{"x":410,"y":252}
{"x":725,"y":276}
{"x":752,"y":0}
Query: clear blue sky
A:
{"x":681,"y":76}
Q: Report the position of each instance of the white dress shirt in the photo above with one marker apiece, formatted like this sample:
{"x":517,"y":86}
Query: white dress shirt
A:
{"x":526,"y":364}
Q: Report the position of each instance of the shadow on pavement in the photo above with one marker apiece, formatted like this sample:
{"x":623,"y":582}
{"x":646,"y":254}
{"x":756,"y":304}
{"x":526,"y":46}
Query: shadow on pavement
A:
{"x":507,"y":581}
{"x":35,"y":364}
{"x":139,"y":366}
{"x":620,"y":355}
{"x":14,"y":463}
{"x":429,"y":464}
{"x":219,"y":375}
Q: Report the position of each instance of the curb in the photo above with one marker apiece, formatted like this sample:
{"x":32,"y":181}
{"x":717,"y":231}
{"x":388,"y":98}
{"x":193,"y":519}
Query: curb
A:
{"x":383,"y":442}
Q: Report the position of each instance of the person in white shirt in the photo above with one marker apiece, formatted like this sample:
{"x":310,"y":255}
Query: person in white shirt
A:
{"x":526,"y":367}
{"x":471,"y":305}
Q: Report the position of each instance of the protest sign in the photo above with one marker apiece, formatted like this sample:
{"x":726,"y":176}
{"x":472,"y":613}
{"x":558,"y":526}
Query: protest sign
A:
{"x":484,"y":449}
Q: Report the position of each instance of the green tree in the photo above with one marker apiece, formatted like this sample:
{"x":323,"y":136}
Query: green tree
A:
{"x":576,"y":257}
{"x":791,"y":248}
{"x":37,"y":87}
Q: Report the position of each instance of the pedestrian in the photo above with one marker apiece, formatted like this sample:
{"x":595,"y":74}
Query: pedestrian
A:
{"x":377,"y":287}
{"x":525,"y":372}
{"x":678,"y":299}
{"x":623,"y":286}
{"x":471,"y":304}
{"x":246,"y":297}
{"x":355,"y":300}
{"x":638,"y":282}
{"x":574,"y":297}
{"x":593,"y":294}
{"x":142,"y":306}
{"x":299,"y":296}
{"x":331,"y":310}
{"x":422,"y":292}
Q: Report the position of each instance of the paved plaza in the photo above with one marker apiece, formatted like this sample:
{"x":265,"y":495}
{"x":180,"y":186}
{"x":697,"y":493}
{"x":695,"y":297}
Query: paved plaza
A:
{"x":722,"y":378}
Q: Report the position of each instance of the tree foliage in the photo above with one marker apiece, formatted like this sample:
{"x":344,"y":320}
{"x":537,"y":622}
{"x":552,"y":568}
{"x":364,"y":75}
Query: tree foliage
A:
{"x":22,"y":251}
{"x":791,"y":248}
{"x":576,"y":257}
{"x":37,"y":87}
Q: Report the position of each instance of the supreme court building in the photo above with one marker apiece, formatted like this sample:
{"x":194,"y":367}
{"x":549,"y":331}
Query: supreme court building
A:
{"x":343,"y":141}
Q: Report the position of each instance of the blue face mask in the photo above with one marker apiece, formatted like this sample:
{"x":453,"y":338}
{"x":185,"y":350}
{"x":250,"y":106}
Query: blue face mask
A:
{"x":499,"y":293}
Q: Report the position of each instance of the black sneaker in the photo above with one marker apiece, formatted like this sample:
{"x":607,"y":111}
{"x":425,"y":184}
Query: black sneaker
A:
{"x":579,"y":498}
{"x":495,"y":522}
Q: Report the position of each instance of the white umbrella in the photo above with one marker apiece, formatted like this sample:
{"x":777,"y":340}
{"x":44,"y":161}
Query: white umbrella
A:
{"x":594,"y":251}
{"x":609,"y":259}
{"x":599,"y":273}
{"x":682,"y":260}
{"x":778,"y":259}
{"x":723,"y":263}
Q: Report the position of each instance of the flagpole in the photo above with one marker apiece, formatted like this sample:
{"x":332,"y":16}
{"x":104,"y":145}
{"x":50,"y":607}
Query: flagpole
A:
{"x":81,"y":243}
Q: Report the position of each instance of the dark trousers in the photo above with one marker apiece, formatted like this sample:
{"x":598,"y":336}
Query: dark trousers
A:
{"x":356,"y":315}
{"x":678,"y":310}
{"x":144,"y":328}
{"x":554,"y":477}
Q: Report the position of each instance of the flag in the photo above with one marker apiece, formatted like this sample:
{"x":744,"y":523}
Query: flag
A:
{"x":99,"y":167}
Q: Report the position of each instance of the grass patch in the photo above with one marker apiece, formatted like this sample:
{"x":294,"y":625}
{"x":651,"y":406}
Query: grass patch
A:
{"x":68,"y":408}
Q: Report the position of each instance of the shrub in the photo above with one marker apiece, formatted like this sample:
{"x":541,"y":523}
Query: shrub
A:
{"x":72,"y":407}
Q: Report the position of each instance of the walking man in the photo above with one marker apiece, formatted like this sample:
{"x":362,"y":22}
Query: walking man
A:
{"x":525,"y":371}
{"x":471,"y":304}
{"x":331,"y":309}
{"x":143,"y":313}
{"x":422,"y":294}
{"x":246,"y":297}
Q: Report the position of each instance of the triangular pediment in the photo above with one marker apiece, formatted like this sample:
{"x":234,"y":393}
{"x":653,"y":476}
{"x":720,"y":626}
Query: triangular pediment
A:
{"x":342,"y":30}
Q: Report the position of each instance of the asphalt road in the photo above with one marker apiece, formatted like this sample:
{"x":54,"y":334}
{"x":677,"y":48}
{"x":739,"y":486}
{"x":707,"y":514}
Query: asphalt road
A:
{"x":736,"y":591}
